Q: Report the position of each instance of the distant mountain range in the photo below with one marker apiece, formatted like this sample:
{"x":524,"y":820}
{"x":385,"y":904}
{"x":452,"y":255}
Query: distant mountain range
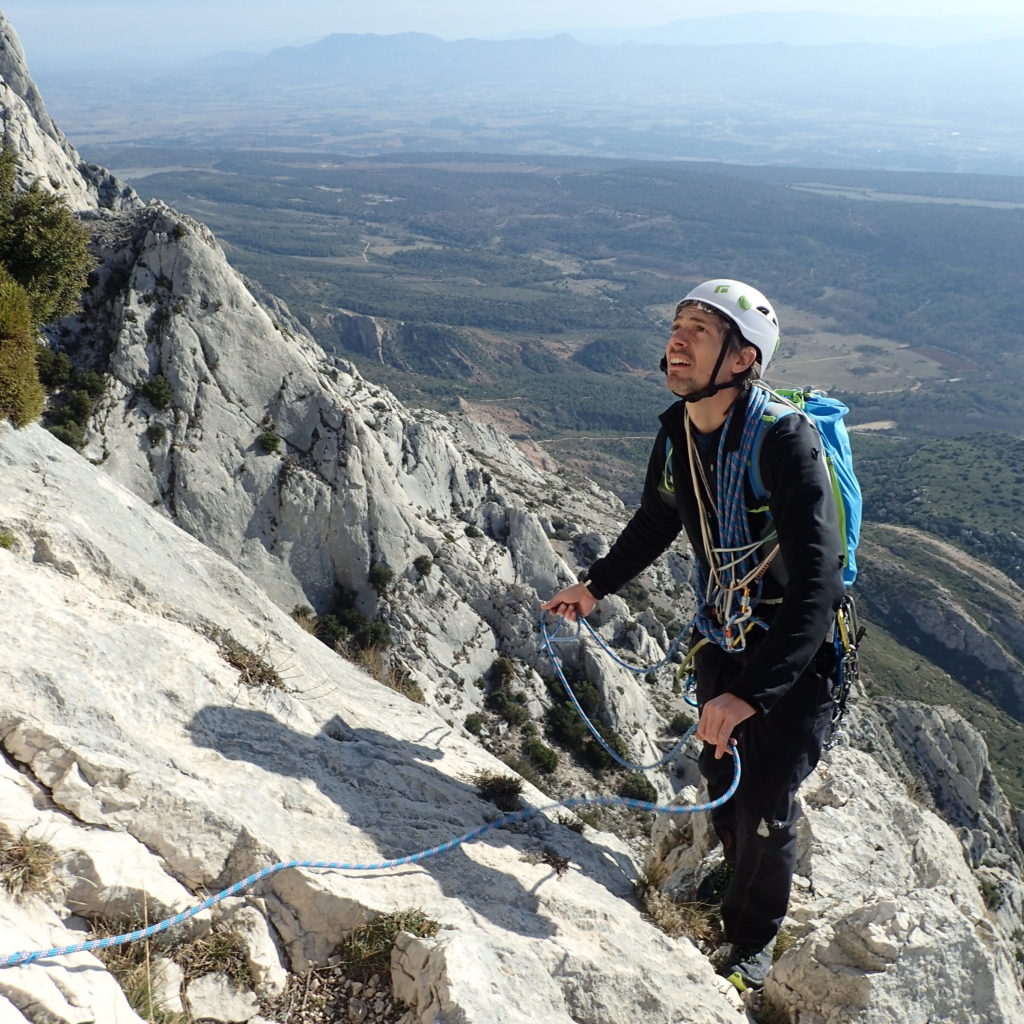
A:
{"x":814,"y":28}
{"x":748,"y":99}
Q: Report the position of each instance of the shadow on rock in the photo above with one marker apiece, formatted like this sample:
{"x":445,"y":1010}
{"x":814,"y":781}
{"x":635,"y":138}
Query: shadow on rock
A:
{"x":387,"y":789}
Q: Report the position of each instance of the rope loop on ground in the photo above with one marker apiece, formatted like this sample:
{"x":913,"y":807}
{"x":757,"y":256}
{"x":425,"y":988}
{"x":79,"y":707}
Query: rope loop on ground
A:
{"x":514,"y":818}
{"x":549,"y":639}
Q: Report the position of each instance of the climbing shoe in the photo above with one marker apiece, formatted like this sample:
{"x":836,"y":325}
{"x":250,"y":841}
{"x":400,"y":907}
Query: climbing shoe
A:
{"x":712,"y":886}
{"x":744,"y":966}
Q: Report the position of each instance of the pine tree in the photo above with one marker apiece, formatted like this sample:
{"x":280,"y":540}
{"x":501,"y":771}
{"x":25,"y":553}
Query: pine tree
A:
{"x":44,"y":261}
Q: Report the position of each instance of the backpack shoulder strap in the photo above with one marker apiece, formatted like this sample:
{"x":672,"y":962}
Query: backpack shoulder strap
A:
{"x":773,"y":412}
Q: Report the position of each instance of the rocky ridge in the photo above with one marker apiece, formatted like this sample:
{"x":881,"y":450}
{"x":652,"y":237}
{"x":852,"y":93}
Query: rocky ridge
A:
{"x":228,"y":777}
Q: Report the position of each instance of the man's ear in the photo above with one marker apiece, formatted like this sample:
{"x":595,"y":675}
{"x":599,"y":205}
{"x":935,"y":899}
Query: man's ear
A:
{"x":747,"y":356}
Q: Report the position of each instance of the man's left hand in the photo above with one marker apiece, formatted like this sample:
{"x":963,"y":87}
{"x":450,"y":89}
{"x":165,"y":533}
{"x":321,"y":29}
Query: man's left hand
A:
{"x":720,"y":717}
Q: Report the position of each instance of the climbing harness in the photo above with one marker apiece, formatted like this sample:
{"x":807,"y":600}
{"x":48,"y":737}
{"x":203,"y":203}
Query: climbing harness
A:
{"x":515,"y":818}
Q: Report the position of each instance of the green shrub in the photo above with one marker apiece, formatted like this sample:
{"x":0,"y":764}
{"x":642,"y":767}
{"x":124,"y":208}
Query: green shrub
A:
{"x":269,"y":441}
{"x":524,"y":768}
{"x":473,"y":531}
{"x":6,"y":539}
{"x":77,"y":408}
{"x":72,"y":434}
{"x":508,"y":706}
{"x":54,"y":368}
{"x":680,"y":723}
{"x":596,"y":756}
{"x":502,"y":672}
{"x":638,"y":787}
{"x":157,"y":391}
{"x":374,"y":634}
{"x":565,"y":725}
{"x":92,"y":383}
{"x":380,"y":578}
{"x":423,"y":564}
{"x":21,"y":394}
{"x":345,"y":628}
{"x":42,"y":245}
{"x":541,"y":755}
{"x":156,"y":433}
{"x":475,"y":722}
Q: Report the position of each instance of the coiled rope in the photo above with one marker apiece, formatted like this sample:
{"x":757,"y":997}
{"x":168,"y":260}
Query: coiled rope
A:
{"x":517,"y":817}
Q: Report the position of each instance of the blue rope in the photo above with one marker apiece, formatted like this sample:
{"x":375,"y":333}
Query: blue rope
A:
{"x":551,"y":638}
{"x":16,"y":959}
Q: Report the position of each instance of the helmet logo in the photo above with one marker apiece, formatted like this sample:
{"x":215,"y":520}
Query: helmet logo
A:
{"x":721,"y":288}
{"x":744,"y":303}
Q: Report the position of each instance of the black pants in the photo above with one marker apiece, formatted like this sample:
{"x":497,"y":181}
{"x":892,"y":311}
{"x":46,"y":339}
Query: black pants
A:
{"x":757,"y":827}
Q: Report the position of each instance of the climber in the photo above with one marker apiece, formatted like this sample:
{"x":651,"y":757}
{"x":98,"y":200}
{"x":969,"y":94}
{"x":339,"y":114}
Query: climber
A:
{"x":769,"y":584}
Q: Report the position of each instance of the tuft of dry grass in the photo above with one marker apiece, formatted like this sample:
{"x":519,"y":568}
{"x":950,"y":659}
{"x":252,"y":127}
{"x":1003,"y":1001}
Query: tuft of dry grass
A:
{"x":253,"y":668}
{"x":377,"y":662}
{"x":305,"y":617}
{"x":133,"y":971}
{"x":220,"y":952}
{"x":28,"y":866}
{"x":367,"y":950}
{"x":697,"y":921}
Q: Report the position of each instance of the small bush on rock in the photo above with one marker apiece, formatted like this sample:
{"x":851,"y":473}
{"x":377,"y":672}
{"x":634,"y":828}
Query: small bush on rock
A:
{"x":269,"y":441}
{"x":541,"y":755}
{"x":157,"y":391}
{"x":502,"y":790}
{"x":638,"y":787}
{"x":380,"y":577}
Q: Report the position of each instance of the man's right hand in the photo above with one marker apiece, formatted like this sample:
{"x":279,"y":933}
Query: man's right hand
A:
{"x":572,"y":603}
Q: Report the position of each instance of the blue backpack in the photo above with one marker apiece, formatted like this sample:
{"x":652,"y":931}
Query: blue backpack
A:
{"x":827,"y":415}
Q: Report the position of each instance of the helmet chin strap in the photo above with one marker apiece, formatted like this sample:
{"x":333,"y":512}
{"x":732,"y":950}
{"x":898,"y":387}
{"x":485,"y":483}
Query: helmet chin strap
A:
{"x":712,"y":389}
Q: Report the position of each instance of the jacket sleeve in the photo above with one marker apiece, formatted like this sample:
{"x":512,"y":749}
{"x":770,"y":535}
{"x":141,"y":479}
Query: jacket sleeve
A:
{"x":653,"y":527}
{"x":803,"y":509}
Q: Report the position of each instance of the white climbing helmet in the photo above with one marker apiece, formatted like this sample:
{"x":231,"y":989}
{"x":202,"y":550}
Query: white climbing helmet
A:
{"x":752,"y":313}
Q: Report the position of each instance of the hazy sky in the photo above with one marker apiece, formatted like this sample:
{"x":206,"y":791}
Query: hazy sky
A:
{"x":161,"y":31}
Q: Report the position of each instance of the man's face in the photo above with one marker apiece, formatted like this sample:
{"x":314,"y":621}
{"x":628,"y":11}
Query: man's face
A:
{"x":692,"y":351}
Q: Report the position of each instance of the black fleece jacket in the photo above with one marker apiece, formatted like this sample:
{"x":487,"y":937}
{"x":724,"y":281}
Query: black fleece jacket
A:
{"x":801,"y":596}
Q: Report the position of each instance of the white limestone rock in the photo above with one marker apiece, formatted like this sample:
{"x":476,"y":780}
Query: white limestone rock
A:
{"x":224,"y":780}
{"x":248,"y":920}
{"x":893,"y":959}
{"x":45,"y":155}
{"x":216,"y":999}
{"x":168,"y":979}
